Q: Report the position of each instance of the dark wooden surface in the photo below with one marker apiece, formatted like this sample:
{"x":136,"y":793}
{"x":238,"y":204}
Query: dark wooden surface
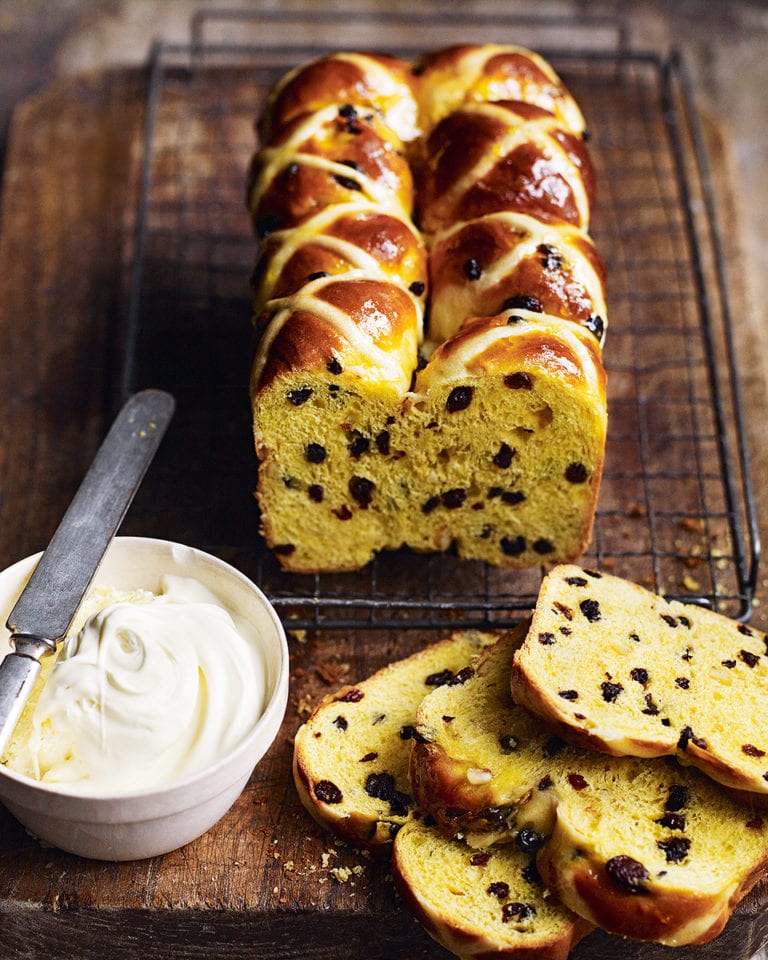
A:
{"x":262,"y":882}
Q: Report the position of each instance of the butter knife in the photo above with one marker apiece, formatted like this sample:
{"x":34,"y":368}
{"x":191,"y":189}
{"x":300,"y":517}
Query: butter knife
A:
{"x":48,"y":604}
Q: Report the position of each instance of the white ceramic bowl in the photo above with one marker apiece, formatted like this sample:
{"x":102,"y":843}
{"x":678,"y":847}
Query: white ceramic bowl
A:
{"x":146,"y":823}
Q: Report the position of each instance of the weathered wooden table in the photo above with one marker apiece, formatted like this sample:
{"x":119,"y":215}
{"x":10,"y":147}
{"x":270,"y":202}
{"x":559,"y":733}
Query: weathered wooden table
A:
{"x":264,"y":881}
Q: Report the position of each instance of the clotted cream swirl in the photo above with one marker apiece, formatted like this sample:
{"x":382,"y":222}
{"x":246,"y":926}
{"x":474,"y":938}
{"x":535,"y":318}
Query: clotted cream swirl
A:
{"x":147,"y":691}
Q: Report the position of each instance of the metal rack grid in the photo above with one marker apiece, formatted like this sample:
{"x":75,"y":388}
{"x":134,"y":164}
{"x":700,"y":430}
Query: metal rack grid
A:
{"x":676,"y":509}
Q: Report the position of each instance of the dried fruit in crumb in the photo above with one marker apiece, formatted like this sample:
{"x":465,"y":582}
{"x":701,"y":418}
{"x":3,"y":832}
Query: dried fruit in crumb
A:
{"x":627,"y":874}
{"x":327,"y":792}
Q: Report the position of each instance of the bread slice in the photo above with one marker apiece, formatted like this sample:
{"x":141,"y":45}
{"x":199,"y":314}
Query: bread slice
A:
{"x":490,"y":904}
{"x":621,"y":670}
{"x":350,"y":759}
{"x":646,"y":849}
{"x":467,"y":769}
{"x":351,"y":771}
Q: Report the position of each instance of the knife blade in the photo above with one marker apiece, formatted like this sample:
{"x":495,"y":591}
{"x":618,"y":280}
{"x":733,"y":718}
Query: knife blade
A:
{"x":49,"y":602}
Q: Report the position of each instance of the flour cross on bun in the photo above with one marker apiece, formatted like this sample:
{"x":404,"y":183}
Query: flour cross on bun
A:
{"x":483,"y":73}
{"x":491,"y":157}
{"x":518,"y":263}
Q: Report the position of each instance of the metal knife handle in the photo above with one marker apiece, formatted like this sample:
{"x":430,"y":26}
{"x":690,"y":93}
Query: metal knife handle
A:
{"x":49,"y":602}
{"x":18,"y":673}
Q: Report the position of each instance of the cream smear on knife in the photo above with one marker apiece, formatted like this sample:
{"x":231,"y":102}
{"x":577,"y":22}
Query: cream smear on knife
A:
{"x":149,"y":689}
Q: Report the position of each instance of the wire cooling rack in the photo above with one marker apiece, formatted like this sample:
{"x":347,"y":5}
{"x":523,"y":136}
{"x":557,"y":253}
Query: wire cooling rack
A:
{"x":676,"y":509}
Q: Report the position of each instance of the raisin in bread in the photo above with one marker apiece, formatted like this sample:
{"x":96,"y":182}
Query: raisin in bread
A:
{"x":508,"y":416}
{"x":350,"y":758}
{"x":654,"y":677}
{"x":489,"y":904}
{"x":643,"y":848}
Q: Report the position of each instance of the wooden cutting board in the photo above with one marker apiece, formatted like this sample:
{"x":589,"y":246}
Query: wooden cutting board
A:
{"x":265,"y":881}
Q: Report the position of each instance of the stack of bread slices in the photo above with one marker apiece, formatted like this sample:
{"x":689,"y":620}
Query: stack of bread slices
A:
{"x":604,"y":764}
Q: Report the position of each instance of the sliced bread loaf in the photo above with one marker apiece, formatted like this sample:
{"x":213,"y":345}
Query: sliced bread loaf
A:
{"x":623,"y":671}
{"x":643,"y":848}
{"x":490,"y":439}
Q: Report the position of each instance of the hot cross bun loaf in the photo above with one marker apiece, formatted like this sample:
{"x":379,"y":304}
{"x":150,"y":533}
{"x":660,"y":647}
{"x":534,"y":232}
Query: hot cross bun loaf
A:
{"x":642,"y":848}
{"x":488,"y":434}
{"x":654,"y":678}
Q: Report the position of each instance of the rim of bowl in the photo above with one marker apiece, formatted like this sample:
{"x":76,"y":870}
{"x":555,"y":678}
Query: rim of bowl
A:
{"x":276,"y":702}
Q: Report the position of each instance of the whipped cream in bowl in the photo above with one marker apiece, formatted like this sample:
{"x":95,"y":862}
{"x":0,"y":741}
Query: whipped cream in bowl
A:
{"x":148,"y":722}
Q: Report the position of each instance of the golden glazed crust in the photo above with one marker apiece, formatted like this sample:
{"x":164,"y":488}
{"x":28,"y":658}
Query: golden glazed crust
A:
{"x":383,"y":83}
{"x":326,"y":158}
{"x":696,"y":919}
{"x":375,"y":326}
{"x":507,"y":344}
{"x":482,"y":73}
{"x":492,"y":157}
{"x":520,"y":263}
{"x":358,"y":237}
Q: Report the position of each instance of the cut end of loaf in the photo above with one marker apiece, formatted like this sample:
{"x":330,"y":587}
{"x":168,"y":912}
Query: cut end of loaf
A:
{"x":497,"y":454}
